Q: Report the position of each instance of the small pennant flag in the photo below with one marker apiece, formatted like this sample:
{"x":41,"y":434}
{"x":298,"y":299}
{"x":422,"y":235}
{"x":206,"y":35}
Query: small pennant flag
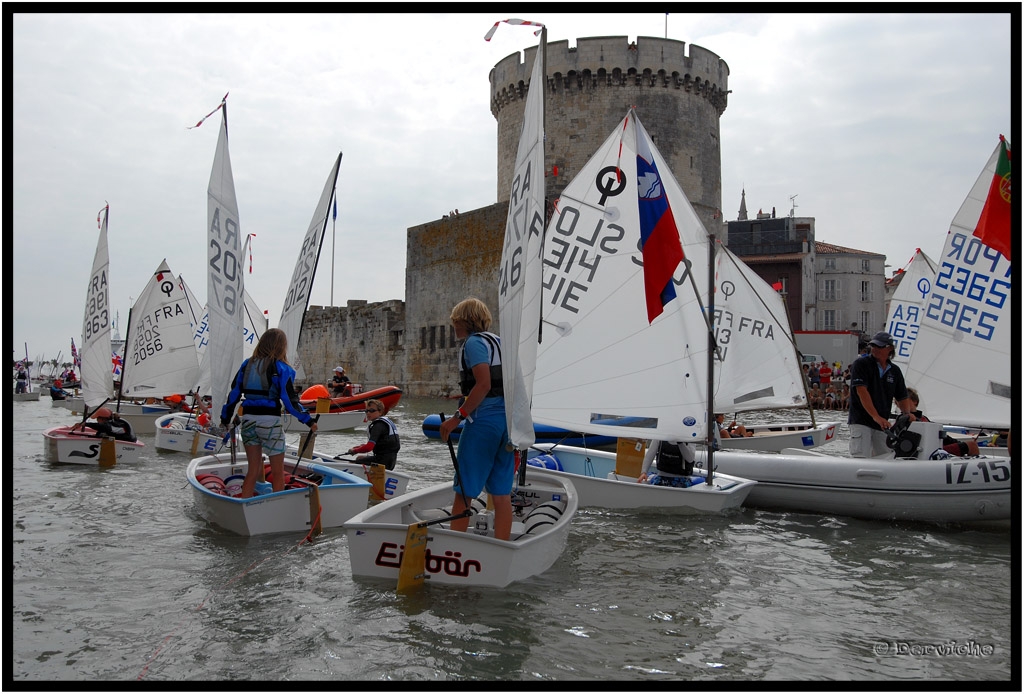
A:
{"x":489,"y":34}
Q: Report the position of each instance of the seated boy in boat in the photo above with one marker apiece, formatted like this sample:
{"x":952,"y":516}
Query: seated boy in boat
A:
{"x":733,"y":431}
{"x":674,"y":465}
{"x":108,"y":423}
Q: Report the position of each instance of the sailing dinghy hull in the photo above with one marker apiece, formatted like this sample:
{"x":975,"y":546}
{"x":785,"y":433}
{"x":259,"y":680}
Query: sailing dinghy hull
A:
{"x":62,"y":446}
{"x":542,"y":434}
{"x":178,"y":431}
{"x":592,"y":472}
{"x":342,"y":496}
{"x":376,"y":537}
{"x":776,"y":437}
{"x":328,"y":421}
{"x":396,"y":483}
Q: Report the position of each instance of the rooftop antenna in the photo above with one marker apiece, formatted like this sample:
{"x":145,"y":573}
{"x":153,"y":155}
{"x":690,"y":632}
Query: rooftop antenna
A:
{"x":793,"y":205}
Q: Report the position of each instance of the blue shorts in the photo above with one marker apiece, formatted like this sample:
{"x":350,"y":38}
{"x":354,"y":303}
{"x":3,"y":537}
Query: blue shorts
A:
{"x":263,"y":430}
{"x":484,"y":460}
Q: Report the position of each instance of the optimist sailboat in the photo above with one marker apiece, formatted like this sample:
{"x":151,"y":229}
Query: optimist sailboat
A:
{"x":757,"y":364}
{"x":961,"y":363}
{"x":390,"y":540}
{"x":160,"y":357}
{"x":626,"y":350}
{"x":182,"y":431}
{"x":62,"y":444}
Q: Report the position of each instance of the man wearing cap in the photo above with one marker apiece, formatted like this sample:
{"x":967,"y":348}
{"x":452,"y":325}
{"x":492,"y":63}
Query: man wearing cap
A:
{"x":108,"y":423}
{"x":340,"y":385}
{"x":874,"y":383}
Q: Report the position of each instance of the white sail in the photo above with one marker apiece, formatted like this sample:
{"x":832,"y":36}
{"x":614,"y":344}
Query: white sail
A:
{"x":160,"y":356}
{"x":520,"y":274}
{"x":907,"y":305}
{"x":961,"y":360}
{"x":224,"y":272}
{"x":297,"y":298}
{"x":759,"y":368}
{"x":97,"y":381}
{"x":605,"y":366}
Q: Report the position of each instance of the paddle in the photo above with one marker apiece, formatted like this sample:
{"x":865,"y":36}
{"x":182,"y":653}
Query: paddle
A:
{"x":412,"y":569}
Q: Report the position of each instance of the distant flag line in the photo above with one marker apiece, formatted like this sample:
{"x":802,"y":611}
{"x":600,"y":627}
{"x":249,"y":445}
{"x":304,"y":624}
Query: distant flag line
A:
{"x":201,"y":120}
{"x":515,"y":22}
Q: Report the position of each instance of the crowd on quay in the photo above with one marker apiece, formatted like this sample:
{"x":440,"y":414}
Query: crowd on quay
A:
{"x":828,"y":385}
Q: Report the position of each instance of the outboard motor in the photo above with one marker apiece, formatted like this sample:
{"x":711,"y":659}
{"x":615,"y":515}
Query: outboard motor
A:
{"x":903,"y":442}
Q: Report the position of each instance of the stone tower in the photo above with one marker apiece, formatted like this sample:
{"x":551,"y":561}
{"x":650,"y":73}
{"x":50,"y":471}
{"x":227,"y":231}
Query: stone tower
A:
{"x":678,"y":97}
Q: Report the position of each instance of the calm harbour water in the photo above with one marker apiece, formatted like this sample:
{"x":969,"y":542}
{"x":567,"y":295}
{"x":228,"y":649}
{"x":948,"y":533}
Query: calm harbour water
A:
{"x":116,"y":578}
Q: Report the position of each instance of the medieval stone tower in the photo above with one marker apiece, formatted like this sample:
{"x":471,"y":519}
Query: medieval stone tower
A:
{"x":679,"y":96}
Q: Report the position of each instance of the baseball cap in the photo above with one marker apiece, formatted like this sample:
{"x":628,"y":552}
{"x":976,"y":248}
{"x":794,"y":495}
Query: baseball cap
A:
{"x":881,"y":339}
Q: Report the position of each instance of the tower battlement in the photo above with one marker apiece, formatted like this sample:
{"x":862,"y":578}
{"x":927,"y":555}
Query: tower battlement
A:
{"x":611,"y":61}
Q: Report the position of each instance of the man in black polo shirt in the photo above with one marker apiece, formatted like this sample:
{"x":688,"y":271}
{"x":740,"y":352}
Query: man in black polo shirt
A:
{"x":874,"y":383}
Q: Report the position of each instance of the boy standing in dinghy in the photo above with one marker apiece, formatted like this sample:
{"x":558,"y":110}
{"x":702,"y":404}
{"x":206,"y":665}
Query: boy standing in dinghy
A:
{"x":485,"y":458}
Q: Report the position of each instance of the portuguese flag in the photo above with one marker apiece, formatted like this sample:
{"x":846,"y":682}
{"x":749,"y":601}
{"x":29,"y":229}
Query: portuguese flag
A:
{"x":994,"y":225}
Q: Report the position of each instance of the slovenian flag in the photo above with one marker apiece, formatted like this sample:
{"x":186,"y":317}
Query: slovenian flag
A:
{"x":659,"y":237}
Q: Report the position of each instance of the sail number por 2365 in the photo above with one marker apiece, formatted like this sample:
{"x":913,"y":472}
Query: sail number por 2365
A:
{"x":960,"y":472}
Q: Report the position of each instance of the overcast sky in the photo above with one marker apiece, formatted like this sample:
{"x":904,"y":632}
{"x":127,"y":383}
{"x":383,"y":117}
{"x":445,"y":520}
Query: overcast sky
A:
{"x":879,"y":124}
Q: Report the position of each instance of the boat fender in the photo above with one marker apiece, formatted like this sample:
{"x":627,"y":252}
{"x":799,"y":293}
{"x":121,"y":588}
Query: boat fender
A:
{"x":233,"y":485}
{"x":212,"y":482}
{"x":547,"y":461}
{"x":536,"y":523}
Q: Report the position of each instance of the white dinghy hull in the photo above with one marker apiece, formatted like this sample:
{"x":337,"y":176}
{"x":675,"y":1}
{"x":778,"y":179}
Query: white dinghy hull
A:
{"x":62,"y":446}
{"x":342,"y":496}
{"x":776,"y":437}
{"x":329,"y":421}
{"x":376,"y":537}
{"x":179,"y":432}
{"x":396,"y":483}
{"x":592,"y":472}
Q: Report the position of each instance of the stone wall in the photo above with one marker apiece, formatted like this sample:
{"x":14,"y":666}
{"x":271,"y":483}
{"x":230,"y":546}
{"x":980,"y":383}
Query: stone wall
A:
{"x":367,"y":339}
{"x":448,"y":260}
